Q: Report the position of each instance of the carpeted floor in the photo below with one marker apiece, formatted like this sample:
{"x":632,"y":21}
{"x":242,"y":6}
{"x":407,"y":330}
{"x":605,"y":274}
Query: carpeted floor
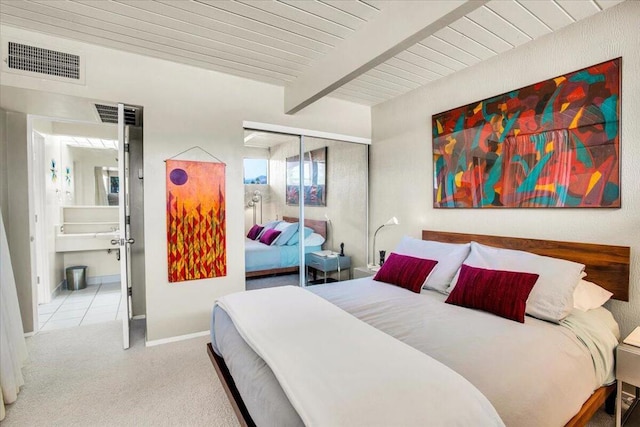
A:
{"x":273,"y":281}
{"x":81,"y":377}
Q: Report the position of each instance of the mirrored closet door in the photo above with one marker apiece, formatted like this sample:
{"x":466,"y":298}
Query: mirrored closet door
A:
{"x":330,"y":178}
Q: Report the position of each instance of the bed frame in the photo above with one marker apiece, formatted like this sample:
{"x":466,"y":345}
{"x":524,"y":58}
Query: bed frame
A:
{"x":319,"y":227}
{"x":606,"y":265}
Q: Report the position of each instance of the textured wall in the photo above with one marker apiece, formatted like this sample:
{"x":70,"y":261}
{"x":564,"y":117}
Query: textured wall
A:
{"x":401,"y":162}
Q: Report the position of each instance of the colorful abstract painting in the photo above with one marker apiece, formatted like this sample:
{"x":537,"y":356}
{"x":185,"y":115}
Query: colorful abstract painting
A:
{"x":315,"y":178}
{"x":552,"y":144}
{"x":196,"y":227}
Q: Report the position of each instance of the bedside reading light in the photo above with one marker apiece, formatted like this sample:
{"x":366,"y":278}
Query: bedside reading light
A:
{"x":392,"y":221}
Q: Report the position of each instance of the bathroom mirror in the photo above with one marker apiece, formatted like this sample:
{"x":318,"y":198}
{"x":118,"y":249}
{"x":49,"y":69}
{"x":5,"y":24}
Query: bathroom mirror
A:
{"x":93,"y":179}
{"x":107,"y":186}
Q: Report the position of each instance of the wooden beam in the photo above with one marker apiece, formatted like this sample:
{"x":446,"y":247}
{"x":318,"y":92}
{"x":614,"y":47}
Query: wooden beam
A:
{"x":399,"y":26}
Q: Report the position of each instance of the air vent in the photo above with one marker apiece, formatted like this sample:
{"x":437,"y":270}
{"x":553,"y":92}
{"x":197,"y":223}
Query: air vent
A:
{"x":109,"y":114}
{"x":43,"y":61}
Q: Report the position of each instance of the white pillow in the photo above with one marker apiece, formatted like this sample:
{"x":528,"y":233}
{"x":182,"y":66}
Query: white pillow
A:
{"x":314,"y":239}
{"x":286,"y":229}
{"x":448,"y":255}
{"x":588,"y":296}
{"x":552,"y":296}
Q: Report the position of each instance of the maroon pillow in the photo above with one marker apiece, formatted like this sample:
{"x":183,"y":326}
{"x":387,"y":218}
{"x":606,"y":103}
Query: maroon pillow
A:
{"x":255,"y":231}
{"x":499,"y":292}
{"x":269,"y":236}
{"x":405,"y":271}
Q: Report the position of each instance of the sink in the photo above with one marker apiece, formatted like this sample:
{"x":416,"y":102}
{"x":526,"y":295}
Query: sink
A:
{"x":73,"y":242}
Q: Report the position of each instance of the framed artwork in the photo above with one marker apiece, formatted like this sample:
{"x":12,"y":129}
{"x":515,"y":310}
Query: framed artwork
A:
{"x":315,"y":178}
{"x":196,"y":225}
{"x":555,"y":143}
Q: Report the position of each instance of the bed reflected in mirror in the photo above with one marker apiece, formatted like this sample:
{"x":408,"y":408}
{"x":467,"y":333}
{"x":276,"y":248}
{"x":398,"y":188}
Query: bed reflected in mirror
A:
{"x":335,"y":177}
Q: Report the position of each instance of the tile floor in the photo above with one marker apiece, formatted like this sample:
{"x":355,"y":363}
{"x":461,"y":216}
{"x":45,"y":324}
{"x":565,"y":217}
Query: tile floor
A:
{"x":94,"y":304}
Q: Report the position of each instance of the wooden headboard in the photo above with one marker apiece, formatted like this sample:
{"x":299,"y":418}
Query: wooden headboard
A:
{"x":318,"y":226}
{"x":606,"y":265}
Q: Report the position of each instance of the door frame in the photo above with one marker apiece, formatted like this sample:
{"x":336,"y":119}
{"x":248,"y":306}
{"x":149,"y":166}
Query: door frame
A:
{"x":34,"y":231}
{"x":39,"y":243}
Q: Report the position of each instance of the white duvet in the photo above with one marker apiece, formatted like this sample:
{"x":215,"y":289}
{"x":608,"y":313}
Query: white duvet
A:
{"x":339,"y":371}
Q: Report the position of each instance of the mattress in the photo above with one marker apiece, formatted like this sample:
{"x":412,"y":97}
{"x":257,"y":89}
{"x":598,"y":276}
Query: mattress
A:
{"x":258,"y":256}
{"x":520,"y":368}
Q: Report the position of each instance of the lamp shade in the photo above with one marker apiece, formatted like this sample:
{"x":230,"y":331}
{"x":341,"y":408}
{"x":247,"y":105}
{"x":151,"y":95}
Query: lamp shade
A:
{"x":392,"y":221}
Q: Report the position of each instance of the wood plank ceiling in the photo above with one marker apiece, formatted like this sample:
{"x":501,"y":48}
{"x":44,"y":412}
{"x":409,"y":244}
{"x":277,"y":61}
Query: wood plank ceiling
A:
{"x":276,"y":41}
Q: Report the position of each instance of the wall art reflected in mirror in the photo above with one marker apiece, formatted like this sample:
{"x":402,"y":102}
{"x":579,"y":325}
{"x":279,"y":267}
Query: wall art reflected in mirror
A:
{"x":315,"y":178}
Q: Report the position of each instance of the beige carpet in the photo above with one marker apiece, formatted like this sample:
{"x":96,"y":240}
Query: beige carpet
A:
{"x":272,"y":281}
{"x":82,"y":377}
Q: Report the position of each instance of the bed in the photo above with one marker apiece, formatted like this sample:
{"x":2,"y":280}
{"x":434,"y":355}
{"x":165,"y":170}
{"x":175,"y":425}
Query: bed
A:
{"x":571,"y":392}
{"x":264,"y":260}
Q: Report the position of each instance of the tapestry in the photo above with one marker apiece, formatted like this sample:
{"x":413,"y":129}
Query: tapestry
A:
{"x":551,"y":144}
{"x":196,"y":227}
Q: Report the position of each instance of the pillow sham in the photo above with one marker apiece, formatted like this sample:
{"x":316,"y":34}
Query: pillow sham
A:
{"x":269,"y":225}
{"x":269,"y":237}
{"x":588,"y":296}
{"x":287,"y":231}
{"x":314,"y":239}
{"x":449,"y":256}
{"x":405,"y":271}
{"x":294,"y":239}
{"x":500,"y":292}
{"x":552,"y":297}
{"x":255,"y":231}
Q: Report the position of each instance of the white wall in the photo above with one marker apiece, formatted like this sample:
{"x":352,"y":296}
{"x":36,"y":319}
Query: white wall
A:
{"x":17,"y":219}
{"x":183,"y":107}
{"x":401,"y":159}
{"x":55,"y":196}
{"x":4,"y":189}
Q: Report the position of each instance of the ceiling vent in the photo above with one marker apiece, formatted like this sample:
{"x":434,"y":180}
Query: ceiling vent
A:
{"x":109,"y":114}
{"x":32,"y":59}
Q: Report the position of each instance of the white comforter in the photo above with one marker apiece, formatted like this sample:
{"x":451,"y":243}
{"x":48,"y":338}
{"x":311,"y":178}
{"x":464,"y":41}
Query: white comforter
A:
{"x":359,"y":376}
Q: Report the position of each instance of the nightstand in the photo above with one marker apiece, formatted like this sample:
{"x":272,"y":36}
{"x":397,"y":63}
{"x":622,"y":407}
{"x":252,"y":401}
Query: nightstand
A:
{"x":360,"y":272}
{"x":627,"y":371}
{"x":328,"y":264}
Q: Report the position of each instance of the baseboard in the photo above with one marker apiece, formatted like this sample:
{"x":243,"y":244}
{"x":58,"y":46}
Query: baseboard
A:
{"x":112,"y":278}
{"x":175,"y":339}
{"x":101,"y":280}
{"x":29,"y":334}
{"x":62,"y":285}
{"x":94,"y":280}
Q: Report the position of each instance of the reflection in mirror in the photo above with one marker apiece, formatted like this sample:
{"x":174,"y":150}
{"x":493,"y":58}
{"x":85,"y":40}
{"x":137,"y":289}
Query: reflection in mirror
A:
{"x":335,"y":188}
{"x":95,"y":174}
{"x":107,"y":186}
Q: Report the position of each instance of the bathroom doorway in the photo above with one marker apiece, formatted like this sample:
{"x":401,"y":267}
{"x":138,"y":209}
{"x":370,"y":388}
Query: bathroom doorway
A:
{"x":79,"y":223}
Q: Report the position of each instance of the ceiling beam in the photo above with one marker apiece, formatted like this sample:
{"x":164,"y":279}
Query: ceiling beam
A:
{"x":397,"y":27}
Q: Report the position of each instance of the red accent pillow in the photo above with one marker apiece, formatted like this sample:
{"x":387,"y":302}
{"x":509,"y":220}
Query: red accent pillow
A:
{"x":405,"y":271}
{"x":255,"y":231}
{"x":499,"y":292}
{"x":269,"y":236}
